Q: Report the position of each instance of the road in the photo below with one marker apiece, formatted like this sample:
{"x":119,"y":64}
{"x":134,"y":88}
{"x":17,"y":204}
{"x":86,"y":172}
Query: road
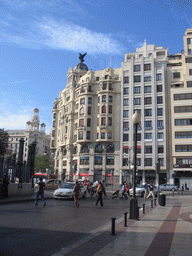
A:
{"x":29,"y":230}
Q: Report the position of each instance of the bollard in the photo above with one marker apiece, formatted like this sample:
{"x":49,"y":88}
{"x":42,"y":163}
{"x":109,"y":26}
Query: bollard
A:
{"x":143,"y":208}
{"x":113,"y":226}
{"x":155,"y":202}
{"x":125,"y":219}
{"x":151,"y":203}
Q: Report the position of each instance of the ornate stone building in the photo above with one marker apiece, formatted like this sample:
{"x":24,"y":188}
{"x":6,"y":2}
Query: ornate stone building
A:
{"x":86,"y":125}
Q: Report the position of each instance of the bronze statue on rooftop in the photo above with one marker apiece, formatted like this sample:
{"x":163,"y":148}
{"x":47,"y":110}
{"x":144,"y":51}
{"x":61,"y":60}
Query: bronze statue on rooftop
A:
{"x":81,"y":57}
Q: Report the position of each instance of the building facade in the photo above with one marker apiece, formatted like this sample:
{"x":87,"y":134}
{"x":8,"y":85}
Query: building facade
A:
{"x":86,"y":125}
{"x":34,"y":132}
{"x":179,"y":69}
{"x":144,"y":87}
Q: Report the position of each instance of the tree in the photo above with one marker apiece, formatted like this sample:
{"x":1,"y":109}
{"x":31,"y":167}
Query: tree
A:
{"x":4,"y":136}
{"x":42,"y":163}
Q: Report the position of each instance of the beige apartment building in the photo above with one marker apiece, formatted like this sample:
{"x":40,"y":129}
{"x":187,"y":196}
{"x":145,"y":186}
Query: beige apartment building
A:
{"x":144,"y":87}
{"x":179,"y":70}
{"x":34,"y":132}
{"x":86,"y":125}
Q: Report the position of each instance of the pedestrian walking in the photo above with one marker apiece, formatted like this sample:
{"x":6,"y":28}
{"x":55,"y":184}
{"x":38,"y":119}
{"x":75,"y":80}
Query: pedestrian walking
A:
{"x":5,"y":184}
{"x":99,"y":193}
{"x":146,"y":190}
{"x":76,"y":192}
{"x":104,"y":191}
{"x":124,"y":192}
{"x":127,"y":188}
{"x":151,"y":193}
{"x":40,"y":191}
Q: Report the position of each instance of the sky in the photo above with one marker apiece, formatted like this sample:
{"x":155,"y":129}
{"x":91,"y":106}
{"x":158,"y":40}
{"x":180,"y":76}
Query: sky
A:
{"x":41,"y":39}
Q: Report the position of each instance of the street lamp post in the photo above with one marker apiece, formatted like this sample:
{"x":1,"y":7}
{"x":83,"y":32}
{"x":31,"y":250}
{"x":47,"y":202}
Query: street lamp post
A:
{"x":134,"y":202}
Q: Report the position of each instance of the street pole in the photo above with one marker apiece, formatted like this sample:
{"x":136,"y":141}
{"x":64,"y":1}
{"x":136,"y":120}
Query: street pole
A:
{"x":134,"y":202}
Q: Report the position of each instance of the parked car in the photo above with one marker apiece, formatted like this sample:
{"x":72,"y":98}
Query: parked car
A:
{"x":66,"y":191}
{"x":140,"y":190}
{"x":168,"y":187}
{"x":53,"y":184}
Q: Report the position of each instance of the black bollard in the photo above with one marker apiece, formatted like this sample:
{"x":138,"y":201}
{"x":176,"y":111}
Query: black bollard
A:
{"x":143,"y":208}
{"x":113,"y":226}
{"x":125,"y":219}
{"x":155,"y":202}
{"x":151,"y":203}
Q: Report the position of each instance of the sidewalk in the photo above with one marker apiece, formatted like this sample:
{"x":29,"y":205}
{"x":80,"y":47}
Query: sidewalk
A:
{"x":162,"y":230}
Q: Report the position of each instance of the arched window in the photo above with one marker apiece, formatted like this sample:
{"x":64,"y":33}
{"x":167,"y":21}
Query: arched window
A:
{"x":81,"y":111}
{"x":85,"y":149}
{"x":110,"y":148}
{"x":99,"y":148}
{"x":103,"y":109}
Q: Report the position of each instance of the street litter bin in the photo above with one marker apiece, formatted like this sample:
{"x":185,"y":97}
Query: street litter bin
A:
{"x":162,"y":199}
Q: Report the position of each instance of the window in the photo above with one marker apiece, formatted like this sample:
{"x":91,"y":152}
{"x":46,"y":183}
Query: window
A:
{"x":148,"y":136}
{"x":126,"y":80}
{"x":98,"y":109}
{"x":183,"y":148}
{"x":159,"y":100}
{"x":80,"y":135}
{"x":109,"y":135}
{"x":147,"y":67}
{"x":180,"y":122}
{"x":148,"y":112}
{"x":188,"y":60}
{"x":110,"y":98}
{"x":81,"y":111}
{"x":98,"y":160}
{"x":102,"y":135}
{"x":97,"y":121}
{"x":97,"y":78}
{"x":98,"y":99}
{"x":110,"y":109}
{"x":161,"y":161}
{"x":125,"y":102}
{"x":126,"y":90}
{"x":160,"y":149}
{"x":147,"y":100}
{"x":54,"y":123}
{"x":160,"y":136}
{"x":103,"y":121}
{"x":148,"y":125}
{"x":188,"y":40}
{"x":106,"y":76}
{"x":109,"y":121}
{"x":176,"y":75}
{"x":189,"y":83}
{"x":104,"y":86}
{"x":148,"y":161}
{"x":88,"y":135}
{"x":110,"y":160}
{"x":125,"y":137}
{"x":103,"y":109}
{"x":159,"y":88}
{"x":160,"y":124}
{"x":159,"y":77}
{"x":189,"y":51}
{"x":90,"y":88}
{"x":88,"y":122}
{"x":110,"y":148}
{"x":183,"y":96}
{"x":137,"y":79}
{"x":81,"y":122}
{"x":137,"y":68}
{"x":138,"y":136}
{"x":99,"y":148}
{"x":148,"y":149}
{"x":137,"y":89}
{"x":54,"y":115}
{"x":147,"y":79}
{"x":53,"y":134}
{"x":183,"y":135}
{"x":147,"y":89}
{"x":89,"y":110}
{"x":104,"y":97}
{"x":82,"y":101}
{"x":110,"y":87}
{"x":183,"y":109}
{"x":89,"y":100}
{"x":160,"y":111}
{"x":190,"y":72}
{"x":125,"y":126}
{"x":84,"y":160}
{"x":125,"y":113}
{"x":137,"y":101}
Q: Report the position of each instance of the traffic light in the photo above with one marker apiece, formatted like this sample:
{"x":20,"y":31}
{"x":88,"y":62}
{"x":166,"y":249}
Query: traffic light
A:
{"x":75,"y":167}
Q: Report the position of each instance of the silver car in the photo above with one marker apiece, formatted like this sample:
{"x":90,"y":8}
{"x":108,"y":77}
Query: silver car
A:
{"x":168,"y":187}
{"x":66,"y":191}
{"x":140,"y":190}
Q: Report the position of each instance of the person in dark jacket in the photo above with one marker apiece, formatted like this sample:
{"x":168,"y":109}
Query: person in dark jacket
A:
{"x":40,"y":191}
{"x":76,"y":192}
{"x":99,"y":192}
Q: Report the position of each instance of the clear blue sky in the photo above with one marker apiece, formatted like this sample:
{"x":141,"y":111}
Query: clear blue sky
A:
{"x":40,"y":40}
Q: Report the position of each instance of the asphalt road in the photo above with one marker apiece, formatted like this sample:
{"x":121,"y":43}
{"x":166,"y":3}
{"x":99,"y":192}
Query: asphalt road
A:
{"x":27,"y":230}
